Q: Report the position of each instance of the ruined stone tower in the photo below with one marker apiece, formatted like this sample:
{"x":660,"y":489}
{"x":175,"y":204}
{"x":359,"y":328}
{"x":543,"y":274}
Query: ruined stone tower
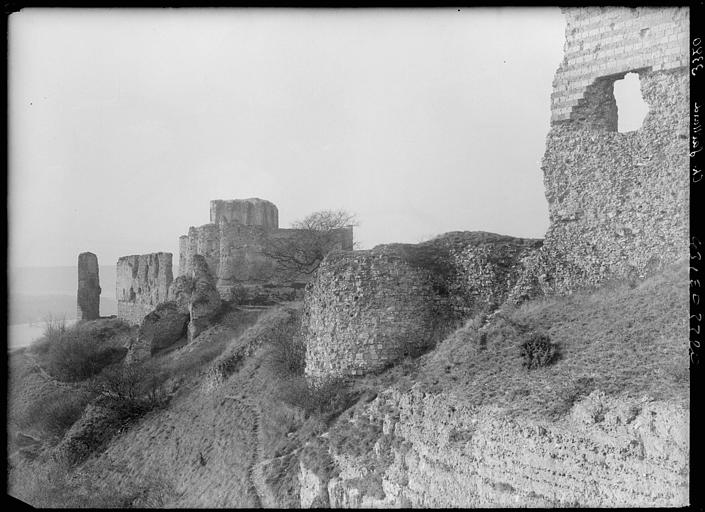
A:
{"x":618,"y":201}
{"x":233,"y":245}
{"x":88,"y":297}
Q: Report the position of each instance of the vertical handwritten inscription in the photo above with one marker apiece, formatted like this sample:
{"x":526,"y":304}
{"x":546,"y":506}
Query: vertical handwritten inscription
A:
{"x":696,"y":299}
{"x":697,"y":278}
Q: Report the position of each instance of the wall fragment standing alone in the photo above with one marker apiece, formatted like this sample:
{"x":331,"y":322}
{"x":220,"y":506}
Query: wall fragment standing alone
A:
{"x":88,"y":297}
{"x":142,"y":283}
{"x":618,"y":202}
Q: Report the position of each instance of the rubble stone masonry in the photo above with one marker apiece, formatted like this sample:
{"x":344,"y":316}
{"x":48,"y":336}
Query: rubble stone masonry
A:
{"x":368,"y":309}
{"x":618,"y":202}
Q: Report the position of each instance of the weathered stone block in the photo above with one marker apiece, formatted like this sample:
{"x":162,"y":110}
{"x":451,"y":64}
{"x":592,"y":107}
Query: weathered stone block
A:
{"x":88,"y":296}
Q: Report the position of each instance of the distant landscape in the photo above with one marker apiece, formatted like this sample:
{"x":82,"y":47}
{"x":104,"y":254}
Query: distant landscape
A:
{"x":40,"y":292}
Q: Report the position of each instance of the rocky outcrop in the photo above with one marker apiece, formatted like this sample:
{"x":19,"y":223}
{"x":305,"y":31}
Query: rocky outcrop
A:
{"x":88,"y":297}
{"x":205,"y":303}
{"x":180,"y":292}
{"x":367,"y":309}
{"x":159,"y":330}
{"x":429,"y":450}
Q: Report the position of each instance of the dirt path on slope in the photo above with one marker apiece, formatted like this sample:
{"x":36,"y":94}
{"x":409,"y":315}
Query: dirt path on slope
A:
{"x":253,"y":409}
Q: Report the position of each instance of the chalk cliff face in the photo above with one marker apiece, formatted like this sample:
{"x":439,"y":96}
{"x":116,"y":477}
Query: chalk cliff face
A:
{"x":367,"y":309}
{"x":433,"y":451}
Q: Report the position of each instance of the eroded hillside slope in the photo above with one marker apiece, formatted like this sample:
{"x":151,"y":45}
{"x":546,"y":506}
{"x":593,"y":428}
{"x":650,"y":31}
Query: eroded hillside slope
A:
{"x":602,"y":422}
{"x":605,"y":423}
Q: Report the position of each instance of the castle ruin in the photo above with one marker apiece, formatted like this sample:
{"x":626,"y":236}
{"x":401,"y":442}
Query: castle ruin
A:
{"x":368,"y":309}
{"x":618,"y":205}
{"x":88,"y":296}
{"x":618,"y":202}
{"x":233,"y":246}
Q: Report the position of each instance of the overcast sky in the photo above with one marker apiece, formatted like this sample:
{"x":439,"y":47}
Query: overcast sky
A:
{"x":124,"y":124}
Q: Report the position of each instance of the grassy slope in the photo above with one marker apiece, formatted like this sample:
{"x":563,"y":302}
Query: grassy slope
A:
{"x":620,"y":339}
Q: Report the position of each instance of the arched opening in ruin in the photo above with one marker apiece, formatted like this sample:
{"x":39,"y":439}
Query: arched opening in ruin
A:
{"x":631,"y":107}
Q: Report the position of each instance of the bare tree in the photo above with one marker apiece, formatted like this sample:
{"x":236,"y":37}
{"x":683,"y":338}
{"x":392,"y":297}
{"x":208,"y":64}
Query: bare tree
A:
{"x":302,"y":251}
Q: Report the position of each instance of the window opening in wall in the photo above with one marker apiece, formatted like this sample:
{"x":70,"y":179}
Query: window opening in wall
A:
{"x":631,"y":107}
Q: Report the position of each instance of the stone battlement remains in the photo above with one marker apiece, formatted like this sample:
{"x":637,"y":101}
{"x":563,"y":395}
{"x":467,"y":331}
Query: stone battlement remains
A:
{"x":142,"y":283}
{"x":234,"y":246}
{"x":367,"y":309}
{"x":618,"y":202}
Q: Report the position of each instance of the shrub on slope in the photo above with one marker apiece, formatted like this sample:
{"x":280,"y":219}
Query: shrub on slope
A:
{"x":622,"y":339}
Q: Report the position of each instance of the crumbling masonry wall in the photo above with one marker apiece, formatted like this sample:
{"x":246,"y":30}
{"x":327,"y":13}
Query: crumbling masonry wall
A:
{"x":618,"y":202}
{"x":88,"y":296}
{"x":233,"y":245}
{"x":367,"y":309}
{"x":142,"y":283}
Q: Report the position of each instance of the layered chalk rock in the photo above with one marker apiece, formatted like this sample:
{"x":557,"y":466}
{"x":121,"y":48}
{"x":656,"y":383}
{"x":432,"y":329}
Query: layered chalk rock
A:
{"x":432,"y":451}
{"x":367,"y":309}
{"x":205,"y":302}
{"x":159,"y":330}
{"x":88,"y":297}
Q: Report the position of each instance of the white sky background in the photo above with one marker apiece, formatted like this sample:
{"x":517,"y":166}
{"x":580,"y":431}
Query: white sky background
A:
{"x":124,"y":124}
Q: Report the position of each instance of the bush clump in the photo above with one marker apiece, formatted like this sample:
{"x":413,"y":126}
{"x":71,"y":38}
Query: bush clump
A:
{"x":81,"y":351}
{"x":537,"y":351}
{"x":56,"y":413}
{"x":130,"y":390}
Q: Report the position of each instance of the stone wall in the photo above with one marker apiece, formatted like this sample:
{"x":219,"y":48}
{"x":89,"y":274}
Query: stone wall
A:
{"x":142,"y":283}
{"x":88,"y":296}
{"x":367,"y":309}
{"x":618,"y":202}
{"x":234,"y":247}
